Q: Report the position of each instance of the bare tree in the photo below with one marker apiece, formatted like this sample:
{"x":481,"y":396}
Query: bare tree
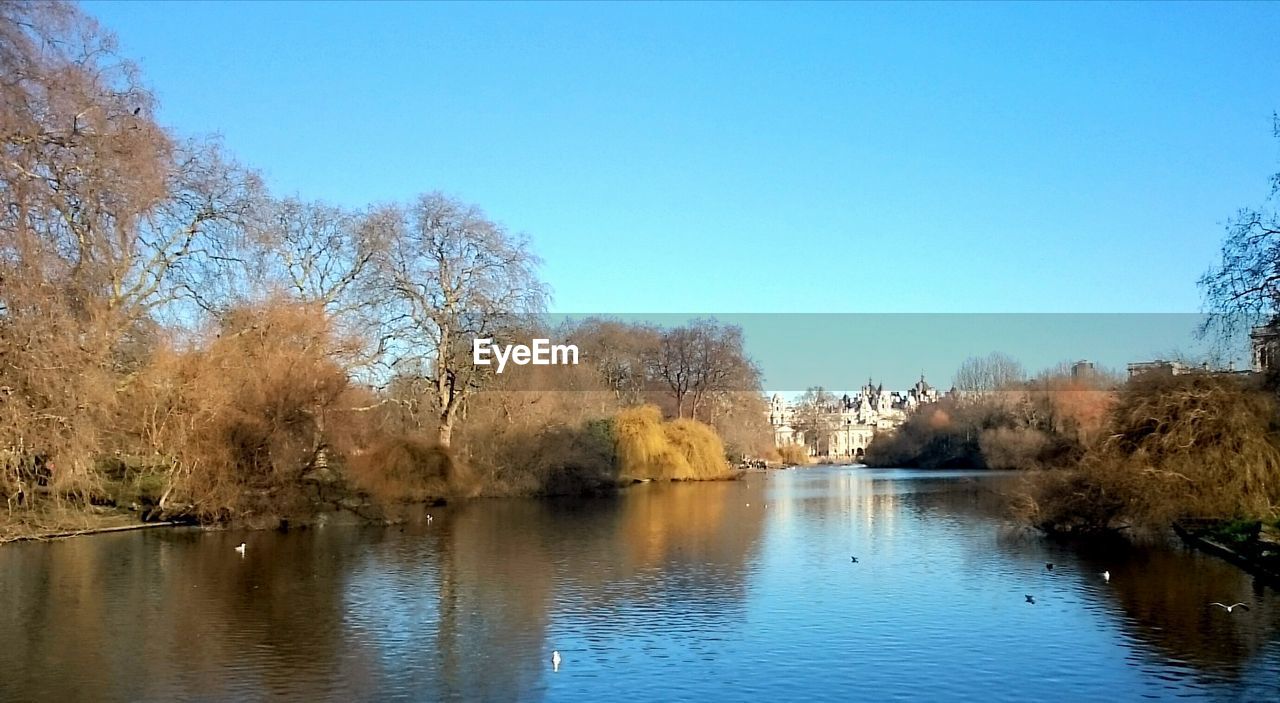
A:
{"x":700,"y":359}
{"x":618,"y":352}
{"x":108,"y":221}
{"x":103,"y":200}
{"x":319,"y":251}
{"x":815,"y":415}
{"x":993,"y":372}
{"x":1244,"y":287}
{"x":448,"y":275}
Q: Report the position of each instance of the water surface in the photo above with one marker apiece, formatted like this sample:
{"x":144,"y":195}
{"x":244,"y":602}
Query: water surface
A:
{"x":717,"y":591}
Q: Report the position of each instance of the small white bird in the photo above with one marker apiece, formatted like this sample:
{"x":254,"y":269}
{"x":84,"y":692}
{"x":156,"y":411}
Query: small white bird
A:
{"x":1106,"y":576}
{"x":240,"y":549}
{"x":1231,"y":607}
{"x":555,"y":660}
{"x":429,"y":518}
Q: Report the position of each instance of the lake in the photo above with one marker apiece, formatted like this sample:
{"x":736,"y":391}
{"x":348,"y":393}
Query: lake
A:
{"x":698,"y":591}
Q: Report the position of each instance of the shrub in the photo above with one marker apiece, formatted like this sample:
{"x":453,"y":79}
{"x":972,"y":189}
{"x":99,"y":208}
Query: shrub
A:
{"x":572,"y":461}
{"x":404,"y":469}
{"x":648,"y":448}
{"x":1198,"y":445}
{"x":700,"y":447}
{"x":642,"y":447}
{"x":237,"y":421}
{"x":944,"y":435}
{"x":793,"y":454}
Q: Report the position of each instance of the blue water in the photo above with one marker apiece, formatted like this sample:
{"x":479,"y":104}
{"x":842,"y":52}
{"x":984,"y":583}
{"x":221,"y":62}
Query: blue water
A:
{"x":719,"y":591}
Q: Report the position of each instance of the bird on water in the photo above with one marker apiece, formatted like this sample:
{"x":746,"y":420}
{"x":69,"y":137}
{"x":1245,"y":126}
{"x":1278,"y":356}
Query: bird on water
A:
{"x":240,"y":549}
{"x":1049,"y":566}
{"x":1231,"y":607}
{"x":1106,"y":576}
{"x":854,"y":559}
{"x":1031,"y":600}
{"x":555,"y":660}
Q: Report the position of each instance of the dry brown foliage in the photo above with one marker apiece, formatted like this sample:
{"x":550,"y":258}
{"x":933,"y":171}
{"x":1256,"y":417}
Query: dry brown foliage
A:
{"x":173,"y":339}
{"x":108,"y":220}
{"x":1045,"y":423}
{"x":1199,"y":445}
{"x":740,"y":419}
{"x":403,"y":469}
{"x":241,"y":418}
{"x":700,"y":449}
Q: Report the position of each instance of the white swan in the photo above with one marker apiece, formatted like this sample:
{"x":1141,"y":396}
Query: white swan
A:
{"x":240,"y":549}
{"x":1106,"y":576}
{"x":555,"y":660}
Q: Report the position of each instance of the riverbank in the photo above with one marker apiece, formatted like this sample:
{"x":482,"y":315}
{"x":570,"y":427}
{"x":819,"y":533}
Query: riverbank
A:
{"x":55,"y":523}
{"x":1254,"y":547}
{"x":58,"y":523}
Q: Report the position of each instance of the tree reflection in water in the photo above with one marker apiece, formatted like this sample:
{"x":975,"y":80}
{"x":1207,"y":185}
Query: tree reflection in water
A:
{"x":737,"y":590}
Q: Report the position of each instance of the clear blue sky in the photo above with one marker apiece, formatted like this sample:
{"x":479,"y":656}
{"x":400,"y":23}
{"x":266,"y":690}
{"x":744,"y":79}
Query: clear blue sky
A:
{"x":759,"y":157}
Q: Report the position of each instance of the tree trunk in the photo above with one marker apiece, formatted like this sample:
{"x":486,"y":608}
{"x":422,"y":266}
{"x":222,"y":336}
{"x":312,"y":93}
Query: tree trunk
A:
{"x":446,"y":429}
{"x":320,"y":449}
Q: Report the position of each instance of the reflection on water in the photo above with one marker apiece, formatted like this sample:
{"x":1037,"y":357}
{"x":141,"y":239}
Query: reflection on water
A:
{"x":689,"y":591}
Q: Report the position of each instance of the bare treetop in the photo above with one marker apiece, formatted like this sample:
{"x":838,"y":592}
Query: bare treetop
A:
{"x":448,"y":275}
{"x":993,"y":372}
{"x":1245,"y":285}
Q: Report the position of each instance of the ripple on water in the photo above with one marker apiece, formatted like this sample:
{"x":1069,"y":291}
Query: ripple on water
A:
{"x":678,"y":592}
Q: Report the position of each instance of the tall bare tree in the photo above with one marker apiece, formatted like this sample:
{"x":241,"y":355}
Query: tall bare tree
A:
{"x":319,"y":251}
{"x":108,"y":222}
{"x":448,"y":276}
{"x":102,"y":199}
{"x":1244,"y":286}
{"x":993,"y":372}
{"x":619,"y":353}
{"x":700,"y":359}
{"x":815,"y":415}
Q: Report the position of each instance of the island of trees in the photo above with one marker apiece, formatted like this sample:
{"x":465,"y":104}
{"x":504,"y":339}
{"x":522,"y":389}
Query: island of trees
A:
{"x":178,"y":343}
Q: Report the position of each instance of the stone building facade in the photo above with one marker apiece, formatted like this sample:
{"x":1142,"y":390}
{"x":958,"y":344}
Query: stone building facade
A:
{"x":847,"y":425}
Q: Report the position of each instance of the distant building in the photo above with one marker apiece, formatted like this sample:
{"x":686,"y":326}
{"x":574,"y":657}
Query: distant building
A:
{"x":1265,"y":341}
{"x":1159,"y":367}
{"x":1082,"y":369}
{"x":850,"y":422}
{"x":781,"y":418}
